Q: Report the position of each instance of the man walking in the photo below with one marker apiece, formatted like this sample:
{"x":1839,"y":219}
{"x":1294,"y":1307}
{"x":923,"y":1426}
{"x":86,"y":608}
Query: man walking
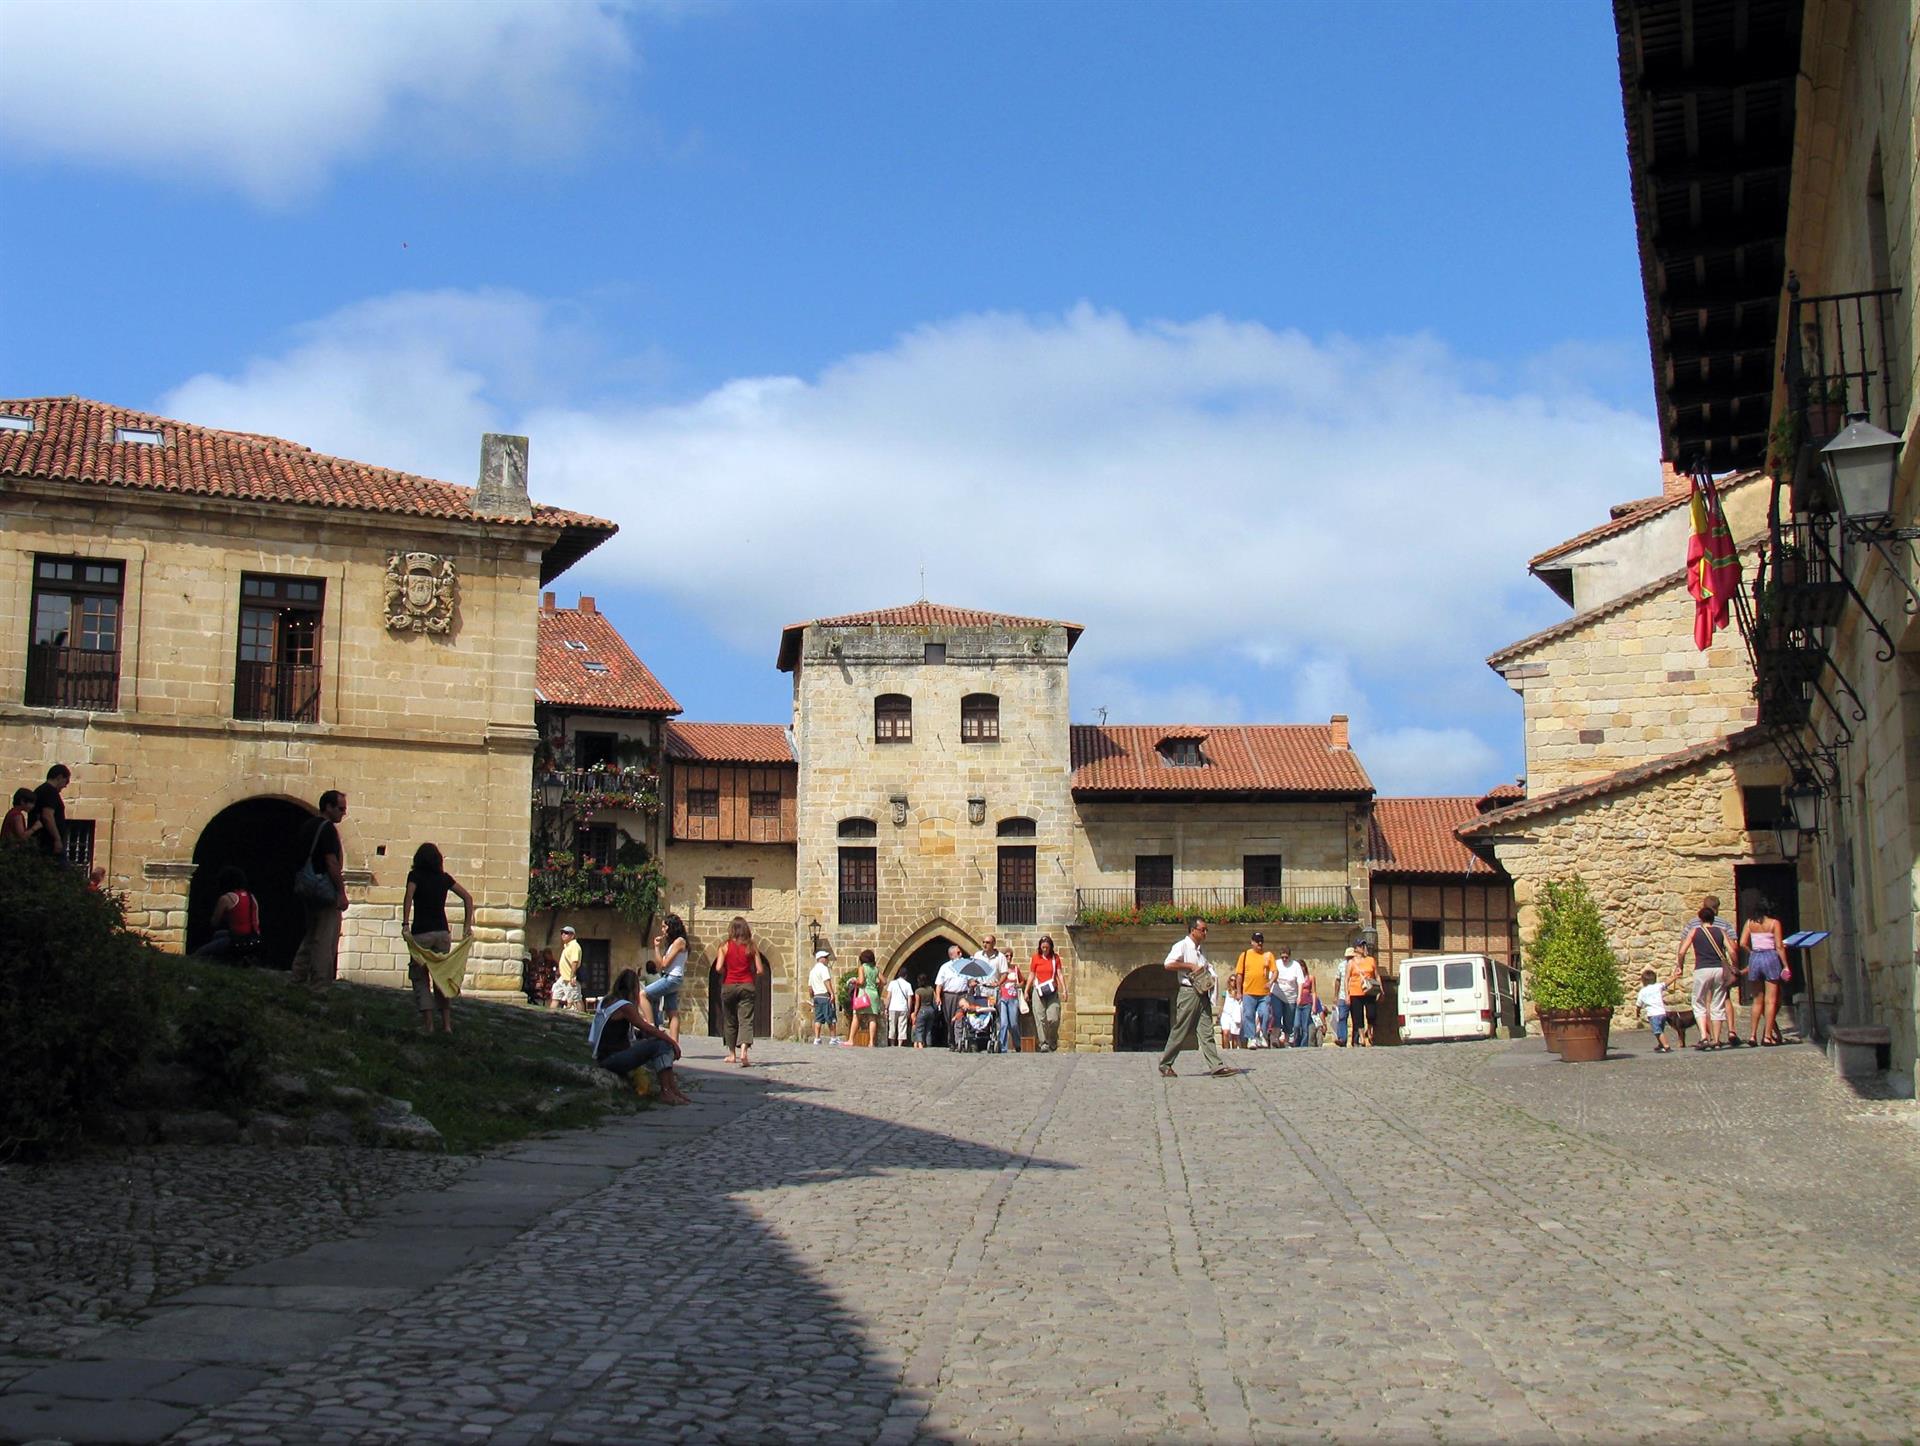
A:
{"x":1288,"y":976}
{"x":50,"y":812}
{"x":899,"y":1011}
{"x":1253,"y":972}
{"x":820,"y":985}
{"x":949,"y":988}
{"x":316,"y":963}
{"x":1192,"y":1003}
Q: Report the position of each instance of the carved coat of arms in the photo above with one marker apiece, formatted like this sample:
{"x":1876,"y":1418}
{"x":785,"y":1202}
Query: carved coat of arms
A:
{"x":419,"y":593}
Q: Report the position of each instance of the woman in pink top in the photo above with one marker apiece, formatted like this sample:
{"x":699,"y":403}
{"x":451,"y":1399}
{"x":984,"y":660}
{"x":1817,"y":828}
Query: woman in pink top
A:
{"x":1766,"y":968}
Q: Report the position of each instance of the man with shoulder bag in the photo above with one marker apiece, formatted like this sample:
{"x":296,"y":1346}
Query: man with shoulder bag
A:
{"x":321,"y":886}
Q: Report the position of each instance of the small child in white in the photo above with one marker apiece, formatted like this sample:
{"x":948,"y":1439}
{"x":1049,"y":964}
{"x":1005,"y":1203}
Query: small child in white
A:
{"x":1652,"y":1002}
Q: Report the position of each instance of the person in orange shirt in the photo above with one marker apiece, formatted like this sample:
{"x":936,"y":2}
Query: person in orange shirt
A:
{"x":1253,"y":972}
{"x":1363,"y":996}
{"x":1048,"y":985}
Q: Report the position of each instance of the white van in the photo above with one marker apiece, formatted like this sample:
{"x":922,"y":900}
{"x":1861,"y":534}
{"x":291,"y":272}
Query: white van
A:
{"x":1455,"y":996}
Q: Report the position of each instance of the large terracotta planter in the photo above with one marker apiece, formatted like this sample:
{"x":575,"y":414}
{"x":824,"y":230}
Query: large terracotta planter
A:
{"x":1582,"y":1033}
{"x":1550,"y":1029}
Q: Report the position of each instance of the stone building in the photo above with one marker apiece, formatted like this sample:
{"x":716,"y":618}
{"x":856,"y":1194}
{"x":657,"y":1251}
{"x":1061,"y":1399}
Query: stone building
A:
{"x":1780,"y":299}
{"x":596,"y":824}
{"x":211,"y":628}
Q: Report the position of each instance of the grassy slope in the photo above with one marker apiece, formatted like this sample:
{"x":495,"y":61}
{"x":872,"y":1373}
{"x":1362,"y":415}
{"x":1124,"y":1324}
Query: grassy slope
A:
{"x":484,"y":1085}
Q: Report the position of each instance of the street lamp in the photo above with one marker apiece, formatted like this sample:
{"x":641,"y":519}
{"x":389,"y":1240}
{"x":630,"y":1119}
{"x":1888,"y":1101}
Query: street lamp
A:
{"x":1861,"y":463}
{"x":1787,"y":833}
{"x":1803,"y":801}
{"x":552,"y":791}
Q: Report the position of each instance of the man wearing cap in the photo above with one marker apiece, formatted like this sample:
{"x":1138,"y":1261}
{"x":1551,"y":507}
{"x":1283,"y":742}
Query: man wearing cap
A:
{"x":1253,"y":972}
{"x":566,"y":989}
{"x":820,"y":984}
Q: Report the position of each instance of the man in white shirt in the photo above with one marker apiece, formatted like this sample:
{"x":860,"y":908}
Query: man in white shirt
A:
{"x":820,"y":985}
{"x":899,"y":1011}
{"x":949,"y":988}
{"x":1192,"y":1003}
{"x":1287,"y":978}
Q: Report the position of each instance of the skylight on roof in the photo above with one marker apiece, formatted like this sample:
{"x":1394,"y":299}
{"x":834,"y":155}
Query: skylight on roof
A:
{"x":593,"y":667}
{"x":139,"y":436}
{"x":11,"y":423}
{"x":575,"y":645}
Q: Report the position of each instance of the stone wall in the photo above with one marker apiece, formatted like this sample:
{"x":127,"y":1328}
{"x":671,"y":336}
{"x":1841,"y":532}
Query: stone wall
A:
{"x":1649,"y":854}
{"x":1627,"y":688}
{"x":937,"y":847}
{"x":430,"y":736}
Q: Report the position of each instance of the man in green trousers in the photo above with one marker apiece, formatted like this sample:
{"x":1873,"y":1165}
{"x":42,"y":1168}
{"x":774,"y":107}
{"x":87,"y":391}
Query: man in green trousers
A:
{"x":1193,"y":1003}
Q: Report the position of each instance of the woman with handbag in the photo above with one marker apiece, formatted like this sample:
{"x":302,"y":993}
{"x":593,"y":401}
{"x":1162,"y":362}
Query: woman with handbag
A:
{"x":1044,"y":972}
{"x":864,"y":1006}
{"x":1008,"y":989}
{"x":1767,"y":969}
{"x":1710,"y":945}
{"x":1363,"y":996}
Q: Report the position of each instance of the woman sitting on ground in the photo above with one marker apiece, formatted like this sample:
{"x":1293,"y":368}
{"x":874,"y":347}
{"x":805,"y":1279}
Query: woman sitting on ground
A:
{"x":236,"y":920}
{"x":623,"y":1041}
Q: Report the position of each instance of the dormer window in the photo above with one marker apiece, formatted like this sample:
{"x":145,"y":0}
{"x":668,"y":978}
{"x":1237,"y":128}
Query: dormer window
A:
{"x":574,"y":645}
{"x":593,"y":667}
{"x":1182,"y":752}
{"x":11,"y":423}
{"x":138,"y":436}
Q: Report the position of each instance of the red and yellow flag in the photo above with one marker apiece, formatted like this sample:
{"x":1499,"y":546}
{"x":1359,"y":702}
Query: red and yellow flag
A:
{"x":1713,"y":564}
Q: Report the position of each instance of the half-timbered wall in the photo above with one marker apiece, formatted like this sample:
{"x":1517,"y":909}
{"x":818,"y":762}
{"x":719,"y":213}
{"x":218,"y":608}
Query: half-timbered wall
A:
{"x":1474,"y":918}
{"x":730,"y":789}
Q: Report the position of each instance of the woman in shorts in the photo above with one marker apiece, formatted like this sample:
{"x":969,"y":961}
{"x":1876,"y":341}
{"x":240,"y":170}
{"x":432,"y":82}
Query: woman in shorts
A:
{"x":663,"y":994}
{"x":1766,"y":968}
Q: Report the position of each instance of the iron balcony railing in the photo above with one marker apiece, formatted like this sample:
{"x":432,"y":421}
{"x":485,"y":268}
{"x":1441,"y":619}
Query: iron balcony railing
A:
{"x":859,"y":906}
{"x":72,"y":678}
{"x":1843,"y":359}
{"x":277,"y":692}
{"x":590,"y":783}
{"x":1018,"y":908}
{"x":1332,"y":903}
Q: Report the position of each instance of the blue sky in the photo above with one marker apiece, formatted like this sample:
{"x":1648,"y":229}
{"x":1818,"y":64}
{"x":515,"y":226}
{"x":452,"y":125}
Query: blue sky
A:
{"x":1267,"y":341}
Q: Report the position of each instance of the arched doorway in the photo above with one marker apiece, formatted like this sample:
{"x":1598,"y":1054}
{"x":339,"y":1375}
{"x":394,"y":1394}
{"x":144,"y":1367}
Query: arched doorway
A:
{"x":1143,"y":1009}
{"x":266,"y":839}
{"x":919,"y":967}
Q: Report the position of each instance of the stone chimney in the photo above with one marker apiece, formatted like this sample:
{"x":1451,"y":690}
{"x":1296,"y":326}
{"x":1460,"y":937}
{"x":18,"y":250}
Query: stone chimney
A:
{"x":1674,"y":484}
{"x":503,"y":477}
{"x":546,"y":602}
{"x":586,"y":603}
{"x":1337,"y":725}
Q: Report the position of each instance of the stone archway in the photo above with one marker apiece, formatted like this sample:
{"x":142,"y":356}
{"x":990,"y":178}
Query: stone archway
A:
{"x":934,"y":928}
{"x":1143,"y":1009}
{"x":266,"y":839}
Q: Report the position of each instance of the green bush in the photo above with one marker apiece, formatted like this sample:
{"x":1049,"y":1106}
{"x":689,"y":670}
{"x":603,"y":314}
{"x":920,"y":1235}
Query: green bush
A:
{"x":221,"y":1039}
{"x":77,"y":994}
{"x":1570,"y":962}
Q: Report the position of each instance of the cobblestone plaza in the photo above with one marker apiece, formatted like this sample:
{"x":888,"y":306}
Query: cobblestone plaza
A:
{"x":1452,"y":1243}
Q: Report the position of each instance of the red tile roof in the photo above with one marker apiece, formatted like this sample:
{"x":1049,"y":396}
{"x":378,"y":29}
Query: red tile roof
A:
{"x":922,"y":614}
{"x":762,"y":743}
{"x":562,"y":676}
{"x":1502,"y":794}
{"x":1416,"y":836}
{"x":73,"y":441}
{"x":1241,"y":758}
{"x":1577,"y":793}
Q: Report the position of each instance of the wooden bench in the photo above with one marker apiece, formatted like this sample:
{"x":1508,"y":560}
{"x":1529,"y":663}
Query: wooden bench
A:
{"x":1857,"y":1048}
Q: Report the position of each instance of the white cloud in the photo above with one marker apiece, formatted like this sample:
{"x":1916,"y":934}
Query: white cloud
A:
{"x":1249,"y":522}
{"x":270,"y":95}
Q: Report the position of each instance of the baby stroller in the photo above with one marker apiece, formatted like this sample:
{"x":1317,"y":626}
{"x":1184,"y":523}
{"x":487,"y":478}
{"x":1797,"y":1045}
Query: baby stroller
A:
{"x":976,"y":1034}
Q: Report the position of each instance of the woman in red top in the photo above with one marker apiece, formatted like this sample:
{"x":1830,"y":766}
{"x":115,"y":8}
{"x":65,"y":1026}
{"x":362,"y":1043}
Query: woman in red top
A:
{"x":739,"y":966}
{"x":236,"y":920}
{"x":1044,"y":971}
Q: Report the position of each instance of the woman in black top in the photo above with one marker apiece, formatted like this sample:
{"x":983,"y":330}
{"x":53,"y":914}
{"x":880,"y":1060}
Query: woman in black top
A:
{"x":425,"y":910}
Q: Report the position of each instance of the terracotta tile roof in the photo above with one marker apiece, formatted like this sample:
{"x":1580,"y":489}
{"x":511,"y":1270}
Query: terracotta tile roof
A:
{"x":1501,"y":795}
{"x":1625,"y":778}
{"x":1566,"y":627}
{"x":1416,"y":836}
{"x":728,"y":743}
{"x":562,"y":676}
{"x":1243,"y":758}
{"x":73,"y":441}
{"x":922,"y":614}
{"x":1632,"y":516}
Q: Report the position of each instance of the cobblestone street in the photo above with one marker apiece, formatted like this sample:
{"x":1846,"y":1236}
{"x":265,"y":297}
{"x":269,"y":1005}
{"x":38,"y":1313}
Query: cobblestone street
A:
{"x":1451,"y":1243}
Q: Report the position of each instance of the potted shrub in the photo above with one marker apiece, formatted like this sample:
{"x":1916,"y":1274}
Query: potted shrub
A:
{"x":1576,"y":975}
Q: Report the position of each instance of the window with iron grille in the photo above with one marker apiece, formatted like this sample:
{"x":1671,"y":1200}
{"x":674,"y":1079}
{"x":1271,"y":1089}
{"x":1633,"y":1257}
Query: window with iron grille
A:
{"x":980,"y":718}
{"x":893,"y":718}
{"x":1153,"y":878}
{"x":74,"y":660}
{"x":729,"y":893}
{"x":277,"y":675}
{"x":596,"y":966}
{"x":763,"y":803}
{"x":1260,"y":878}
{"x":1018,"y":894}
{"x":78,"y":838}
{"x":859,"y":886}
{"x":703,"y":803}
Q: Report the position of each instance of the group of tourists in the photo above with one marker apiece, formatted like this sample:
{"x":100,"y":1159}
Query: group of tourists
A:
{"x":1755,"y":964}
{"x":977,"y":1002}
{"x":38,"y":816}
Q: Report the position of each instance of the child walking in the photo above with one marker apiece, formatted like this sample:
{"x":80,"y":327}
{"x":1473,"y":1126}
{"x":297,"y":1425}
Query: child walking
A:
{"x":1652,"y":1002}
